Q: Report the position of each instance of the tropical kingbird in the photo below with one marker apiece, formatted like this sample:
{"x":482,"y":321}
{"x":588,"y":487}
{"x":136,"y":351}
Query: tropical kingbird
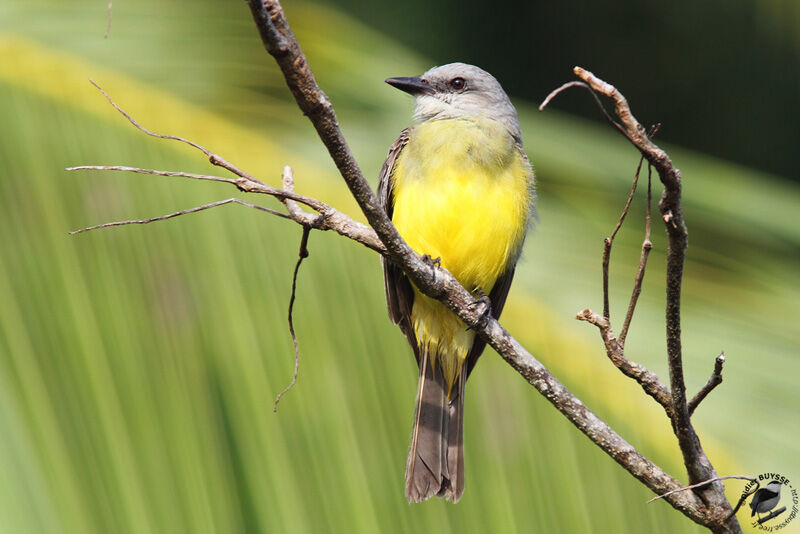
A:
{"x":459,"y":188}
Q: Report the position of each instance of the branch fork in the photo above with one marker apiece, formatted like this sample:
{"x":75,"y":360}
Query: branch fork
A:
{"x":712,"y":510}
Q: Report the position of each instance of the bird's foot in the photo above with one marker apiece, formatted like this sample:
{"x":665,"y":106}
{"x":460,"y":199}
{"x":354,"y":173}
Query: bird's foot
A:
{"x":484,"y":307}
{"x":432,"y":262}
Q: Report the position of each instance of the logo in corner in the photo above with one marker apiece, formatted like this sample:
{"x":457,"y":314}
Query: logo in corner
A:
{"x":771,"y":502}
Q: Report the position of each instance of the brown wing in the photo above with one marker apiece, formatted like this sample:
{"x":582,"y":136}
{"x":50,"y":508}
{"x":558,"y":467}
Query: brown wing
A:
{"x":497,"y":296}
{"x":399,"y":294}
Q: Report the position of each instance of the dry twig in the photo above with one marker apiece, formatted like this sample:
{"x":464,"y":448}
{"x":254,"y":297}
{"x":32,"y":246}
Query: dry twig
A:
{"x":329,"y":218}
{"x":698,"y":466}
{"x":648,"y":380}
{"x":383,"y":237}
{"x":637,"y":282}
{"x":609,"y":241}
{"x":301,"y":255}
{"x":714,"y":380}
{"x":182,"y":212}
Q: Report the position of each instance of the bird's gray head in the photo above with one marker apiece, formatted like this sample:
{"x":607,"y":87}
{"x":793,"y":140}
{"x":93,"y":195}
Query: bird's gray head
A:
{"x":459,"y":90}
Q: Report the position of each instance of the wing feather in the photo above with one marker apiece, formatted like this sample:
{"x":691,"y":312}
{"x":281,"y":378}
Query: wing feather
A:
{"x":399,"y":294}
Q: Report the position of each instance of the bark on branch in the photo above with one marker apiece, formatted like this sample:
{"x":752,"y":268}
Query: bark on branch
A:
{"x":437,"y":283}
{"x":282,"y":45}
{"x":698,"y":466}
{"x":694,"y":458}
{"x":713,"y":381}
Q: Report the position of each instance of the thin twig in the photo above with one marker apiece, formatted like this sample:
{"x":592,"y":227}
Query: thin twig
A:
{"x":304,"y":218}
{"x":243,"y":184}
{"x":647,"y":245}
{"x":302,"y":254}
{"x":213,"y":158}
{"x":714,"y":380}
{"x":609,"y":241}
{"x":586,"y":86}
{"x":139,"y":170}
{"x":697,"y":464}
{"x":182,"y":212}
{"x":108,"y":26}
{"x":281,"y":43}
{"x":648,"y":380}
{"x":699,"y":484}
{"x":328,"y":219}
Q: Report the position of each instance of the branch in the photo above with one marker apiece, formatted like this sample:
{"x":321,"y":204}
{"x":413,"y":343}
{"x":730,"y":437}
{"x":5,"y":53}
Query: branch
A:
{"x":437,"y":283}
{"x":280,"y":42}
{"x":609,"y":241}
{"x":138,"y":170}
{"x":637,"y":283}
{"x":597,"y":101}
{"x":677,"y":234}
{"x":213,"y":158}
{"x":182,"y":212}
{"x":301,"y":255}
{"x":615,"y":347}
{"x":698,"y":466}
{"x":713,"y":381}
{"x":331,"y":219}
{"x":648,"y":380}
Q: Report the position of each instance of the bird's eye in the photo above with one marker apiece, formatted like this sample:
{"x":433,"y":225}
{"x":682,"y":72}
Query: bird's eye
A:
{"x":458,"y":83}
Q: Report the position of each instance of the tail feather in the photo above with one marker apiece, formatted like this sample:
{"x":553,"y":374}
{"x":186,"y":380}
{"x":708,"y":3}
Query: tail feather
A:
{"x":436,"y":458}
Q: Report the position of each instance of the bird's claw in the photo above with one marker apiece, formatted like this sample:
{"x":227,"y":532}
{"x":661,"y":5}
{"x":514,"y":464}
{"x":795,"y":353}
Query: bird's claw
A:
{"x":485,"y":306}
{"x":432,"y":262}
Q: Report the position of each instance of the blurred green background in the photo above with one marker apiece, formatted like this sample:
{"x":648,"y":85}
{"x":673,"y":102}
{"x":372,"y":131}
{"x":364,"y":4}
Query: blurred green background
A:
{"x":138,"y":364}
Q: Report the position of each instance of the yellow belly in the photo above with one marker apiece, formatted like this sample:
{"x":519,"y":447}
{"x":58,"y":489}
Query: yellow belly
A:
{"x":461,"y":193}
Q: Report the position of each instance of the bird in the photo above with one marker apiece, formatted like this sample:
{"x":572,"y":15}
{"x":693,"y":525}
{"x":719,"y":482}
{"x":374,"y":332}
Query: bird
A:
{"x":766,"y":499}
{"x":459,"y":189}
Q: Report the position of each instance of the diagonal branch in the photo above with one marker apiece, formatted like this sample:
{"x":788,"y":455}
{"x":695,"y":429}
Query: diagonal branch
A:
{"x":637,"y":282}
{"x":182,"y":212}
{"x":437,"y":282}
{"x":609,"y":241}
{"x":555,"y":92}
{"x":213,"y":158}
{"x":698,"y":466}
{"x":280,"y":42}
{"x":648,"y":380}
{"x":329,"y":218}
{"x":713,"y":381}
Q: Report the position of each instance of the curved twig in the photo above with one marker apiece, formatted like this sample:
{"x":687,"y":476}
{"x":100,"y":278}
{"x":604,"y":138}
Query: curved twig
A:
{"x":301,"y":255}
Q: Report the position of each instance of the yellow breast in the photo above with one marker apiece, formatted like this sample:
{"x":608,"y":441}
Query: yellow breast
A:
{"x":462,"y":191}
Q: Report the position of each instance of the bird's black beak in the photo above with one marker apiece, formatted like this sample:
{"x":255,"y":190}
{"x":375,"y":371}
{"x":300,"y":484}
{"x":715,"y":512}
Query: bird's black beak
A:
{"x":412,"y":86}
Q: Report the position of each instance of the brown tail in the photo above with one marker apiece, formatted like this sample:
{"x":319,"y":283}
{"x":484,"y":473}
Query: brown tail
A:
{"x":436,"y":460}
